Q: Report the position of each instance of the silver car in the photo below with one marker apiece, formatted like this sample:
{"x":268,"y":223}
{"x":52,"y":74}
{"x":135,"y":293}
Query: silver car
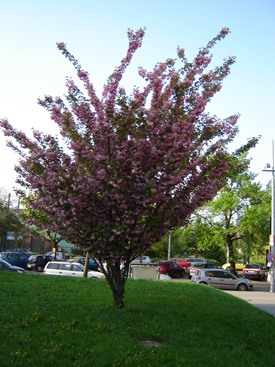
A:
{"x":221,"y":279}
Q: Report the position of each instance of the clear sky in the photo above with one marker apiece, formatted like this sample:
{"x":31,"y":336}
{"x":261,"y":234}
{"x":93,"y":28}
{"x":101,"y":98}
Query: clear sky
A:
{"x":95,"y":31}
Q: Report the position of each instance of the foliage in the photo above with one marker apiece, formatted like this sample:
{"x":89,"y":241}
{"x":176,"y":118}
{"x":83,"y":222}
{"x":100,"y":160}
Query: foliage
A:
{"x":9,"y":221}
{"x":48,"y":321}
{"x":236,"y":221}
{"x":199,"y":239}
{"x":134,"y":166}
{"x":37,"y":220}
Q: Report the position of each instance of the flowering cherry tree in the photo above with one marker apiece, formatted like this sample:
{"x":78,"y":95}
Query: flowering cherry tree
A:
{"x":129,"y":167}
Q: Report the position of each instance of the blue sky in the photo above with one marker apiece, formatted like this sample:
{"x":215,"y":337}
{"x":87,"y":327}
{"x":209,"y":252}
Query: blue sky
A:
{"x":31,"y":66}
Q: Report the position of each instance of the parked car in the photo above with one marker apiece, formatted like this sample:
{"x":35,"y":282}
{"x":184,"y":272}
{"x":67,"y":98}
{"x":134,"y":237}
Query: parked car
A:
{"x":170,"y":268}
{"x":195,"y":260}
{"x":69,"y":269}
{"x":59,"y":256}
{"x":181,"y":262}
{"x":38,"y":262}
{"x":145,"y":260}
{"x":27,"y":252}
{"x":254,"y":271}
{"x":82,"y":260}
{"x":239,"y":265}
{"x":4,"y":265}
{"x":195,"y":266}
{"x":15,"y":258}
{"x":219,"y":278}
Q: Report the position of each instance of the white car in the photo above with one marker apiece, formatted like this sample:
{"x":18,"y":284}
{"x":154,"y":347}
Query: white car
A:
{"x":145,"y":260}
{"x":69,"y":269}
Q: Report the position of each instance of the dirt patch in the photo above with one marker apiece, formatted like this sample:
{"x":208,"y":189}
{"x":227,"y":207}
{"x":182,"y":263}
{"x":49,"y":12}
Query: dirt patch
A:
{"x":150,"y":343}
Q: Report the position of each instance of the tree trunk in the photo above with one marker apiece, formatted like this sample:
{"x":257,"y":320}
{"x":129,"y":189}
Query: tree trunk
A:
{"x":117,"y":277}
{"x":230,"y":248}
{"x":86,"y":268}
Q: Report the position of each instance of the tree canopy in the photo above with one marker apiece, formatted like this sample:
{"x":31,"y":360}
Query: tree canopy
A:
{"x":130,"y":167}
{"x":235,"y":224}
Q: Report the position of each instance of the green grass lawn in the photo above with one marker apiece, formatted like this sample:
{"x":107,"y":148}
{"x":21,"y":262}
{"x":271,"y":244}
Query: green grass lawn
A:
{"x":60,"y":321}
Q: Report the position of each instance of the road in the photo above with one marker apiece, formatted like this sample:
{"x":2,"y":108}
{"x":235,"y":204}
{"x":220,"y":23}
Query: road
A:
{"x":259,"y":286}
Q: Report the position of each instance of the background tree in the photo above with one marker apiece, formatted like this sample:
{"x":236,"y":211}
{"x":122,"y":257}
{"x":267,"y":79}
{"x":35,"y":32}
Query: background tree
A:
{"x":160,"y":249}
{"x":38,"y":222}
{"x":200,"y":239}
{"x":236,"y":223}
{"x":255,"y":224}
{"x":9,"y":222}
{"x":135,"y":166}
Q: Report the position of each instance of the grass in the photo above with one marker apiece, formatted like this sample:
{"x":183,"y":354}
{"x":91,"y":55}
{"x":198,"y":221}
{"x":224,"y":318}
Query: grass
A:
{"x":56,"y":321}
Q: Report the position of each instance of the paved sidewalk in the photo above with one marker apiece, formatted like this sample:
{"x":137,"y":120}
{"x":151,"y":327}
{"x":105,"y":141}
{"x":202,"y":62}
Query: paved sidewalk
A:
{"x":263,"y":300}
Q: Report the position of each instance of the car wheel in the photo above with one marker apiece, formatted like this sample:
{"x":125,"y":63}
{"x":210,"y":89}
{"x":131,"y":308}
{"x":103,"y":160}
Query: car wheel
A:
{"x":203,"y":283}
{"x":242,"y":287}
{"x":39,"y":268}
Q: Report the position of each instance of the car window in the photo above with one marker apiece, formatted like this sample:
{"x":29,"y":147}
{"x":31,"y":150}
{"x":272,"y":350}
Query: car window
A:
{"x":12,"y":256}
{"x":76,"y":267}
{"x":53,"y":266}
{"x":252,"y":266}
{"x":214,"y":274}
{"x":226,"y":275}
{"x":65,"y":267}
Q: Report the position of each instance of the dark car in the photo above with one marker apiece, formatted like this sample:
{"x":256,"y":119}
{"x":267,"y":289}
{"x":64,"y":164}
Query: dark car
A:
{"x":170,"y":268}
{"x":81,"y":260}
{"x":38,"y":262}
{"x":4,"y":265}
{"x":15,"y":258}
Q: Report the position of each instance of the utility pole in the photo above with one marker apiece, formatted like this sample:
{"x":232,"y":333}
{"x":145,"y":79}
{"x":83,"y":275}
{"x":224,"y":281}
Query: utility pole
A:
{"x":6,"y":234}
{"x":271,"y":237}
{"x":169,"y":246}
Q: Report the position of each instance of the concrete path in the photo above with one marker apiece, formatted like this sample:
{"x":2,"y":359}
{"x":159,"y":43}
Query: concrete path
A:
{"x":263,"y":300}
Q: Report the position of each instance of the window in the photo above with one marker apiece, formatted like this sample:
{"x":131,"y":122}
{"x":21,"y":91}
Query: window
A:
{"x":12,"y":256}
{"x":53,"y":266}
{"x":214,"y":274}
{"x":226,"y":275}
{"x":76,"y":267}
{"x":65,"y":267}
{"x":252,"y":266}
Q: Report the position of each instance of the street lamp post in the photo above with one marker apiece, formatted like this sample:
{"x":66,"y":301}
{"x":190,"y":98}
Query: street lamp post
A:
{"x":271,"y":238}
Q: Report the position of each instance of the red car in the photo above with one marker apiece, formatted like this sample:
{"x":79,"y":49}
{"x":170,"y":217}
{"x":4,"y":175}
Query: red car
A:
{"x":170,"y":268}
{"x":181,"y":262}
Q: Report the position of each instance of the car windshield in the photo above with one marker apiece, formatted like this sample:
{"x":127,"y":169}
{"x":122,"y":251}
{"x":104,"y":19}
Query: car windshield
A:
{"x":252,"y":266}
{"x":33,"y":257}
{"x":5,"y":263}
